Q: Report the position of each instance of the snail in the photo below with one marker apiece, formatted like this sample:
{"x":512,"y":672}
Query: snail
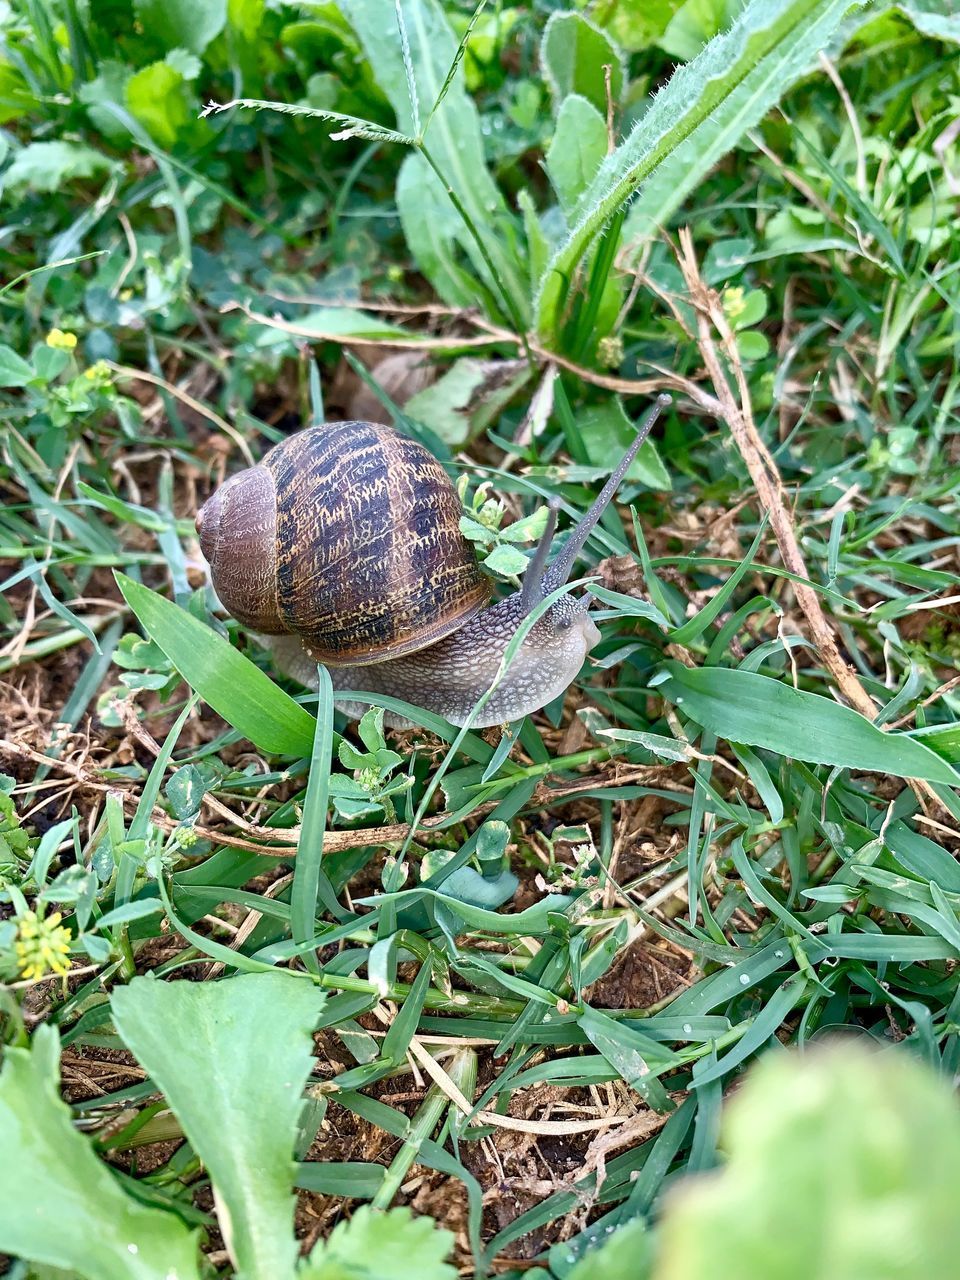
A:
{"x":344,"y":547}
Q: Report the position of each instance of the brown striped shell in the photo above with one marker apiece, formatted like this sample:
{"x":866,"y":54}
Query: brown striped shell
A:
{"x":347,"y":535}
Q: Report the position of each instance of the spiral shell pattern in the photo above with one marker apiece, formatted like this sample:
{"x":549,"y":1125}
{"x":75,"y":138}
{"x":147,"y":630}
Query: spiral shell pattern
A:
{"x":370,"y":560}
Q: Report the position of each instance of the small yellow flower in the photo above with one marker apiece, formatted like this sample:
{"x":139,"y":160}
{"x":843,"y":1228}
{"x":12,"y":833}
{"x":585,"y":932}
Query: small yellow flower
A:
{"x":42,"y":945}
{"x":734,"y":302}
{"x":61,"y":341}
{"x":99,"y":372}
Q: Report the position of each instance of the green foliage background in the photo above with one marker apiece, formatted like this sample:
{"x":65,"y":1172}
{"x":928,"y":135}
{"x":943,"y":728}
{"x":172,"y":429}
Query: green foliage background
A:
{"x":210,"y":211}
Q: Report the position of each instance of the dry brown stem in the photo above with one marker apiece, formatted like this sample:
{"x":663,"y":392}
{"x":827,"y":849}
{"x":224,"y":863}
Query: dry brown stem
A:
{"x":491,"y":335}
{"x":333,"y":841}
{"x":738,"y":414}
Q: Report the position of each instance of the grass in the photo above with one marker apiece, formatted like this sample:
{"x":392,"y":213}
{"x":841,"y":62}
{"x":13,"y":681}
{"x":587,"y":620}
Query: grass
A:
{"x":534,"y":961}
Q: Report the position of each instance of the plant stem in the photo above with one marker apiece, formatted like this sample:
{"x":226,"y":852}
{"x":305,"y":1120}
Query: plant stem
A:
{"x":128,"y":965}
{"x":59,"y":640}
{"x":463,"y":1069}
{"x":586,"y":315}
{"x":495,"y":276}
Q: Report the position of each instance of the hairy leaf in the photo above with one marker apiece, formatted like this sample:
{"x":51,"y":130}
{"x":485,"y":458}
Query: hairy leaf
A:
{"x":706,"y":107}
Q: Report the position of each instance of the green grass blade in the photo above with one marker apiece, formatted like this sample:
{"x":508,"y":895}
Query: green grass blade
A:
{"x":225,"y":679}
{"x":457,"y":59}
{"x":408,"y":71}
{"x":456,"y":140}
{"x":310,"y":882}
{"x":139,"y":830}
{"x":352,"y":1179}
{"x":766,"y":1024}
{"x":944,"y":739}
{"x":743,"y":706}
{"x":693,"y":629}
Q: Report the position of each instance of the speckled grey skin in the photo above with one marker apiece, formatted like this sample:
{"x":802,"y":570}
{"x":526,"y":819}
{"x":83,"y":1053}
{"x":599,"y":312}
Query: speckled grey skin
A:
{"x":451,"y":676}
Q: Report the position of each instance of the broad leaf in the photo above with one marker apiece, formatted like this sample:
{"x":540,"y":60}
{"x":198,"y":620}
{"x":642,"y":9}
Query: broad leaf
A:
{"x":467,"y":397}
{"x":743,"y":706}
{"x":452,"y":136}
{"x":706,"y":107}
{"x":382,"y":1246}
{"x":235,"y":688}
{"x":326,"y":324}
{"x":937,"y":18}
{"x":232,"y":1058}
{"x":694,"y":24}
{"x":14,"y":370}
{"x":47,"y":166}
{"x":635,"y":24}
{"x":607,"y":433}
{"x":182,"y":24}
{"x":574,"y":54}
{"x":245,"y":17}
{"x":61,"y":1205}
{"x":157,"y":97}
{"x":577,"y":150}
{"x":843,"y":1165}
{"x":434,"y":231}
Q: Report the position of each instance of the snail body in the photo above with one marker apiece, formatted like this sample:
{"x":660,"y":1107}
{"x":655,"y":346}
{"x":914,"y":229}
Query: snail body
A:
{"x":343,"y":545}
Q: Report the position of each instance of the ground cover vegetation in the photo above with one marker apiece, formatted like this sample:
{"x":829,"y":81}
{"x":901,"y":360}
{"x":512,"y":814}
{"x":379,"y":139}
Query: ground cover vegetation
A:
{"x":284,"y":995}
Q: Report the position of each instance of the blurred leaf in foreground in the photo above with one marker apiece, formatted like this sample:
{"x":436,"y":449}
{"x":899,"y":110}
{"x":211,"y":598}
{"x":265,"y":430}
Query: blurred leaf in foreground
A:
{"x":844,"y":1165}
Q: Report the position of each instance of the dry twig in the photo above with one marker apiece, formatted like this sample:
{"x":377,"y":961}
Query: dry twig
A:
{"x":738,"y":414}
{"x":333,"y":841}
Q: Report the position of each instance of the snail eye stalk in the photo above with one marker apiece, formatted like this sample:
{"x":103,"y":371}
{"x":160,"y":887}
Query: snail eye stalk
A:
{"x":559,"y":571}
{"x":531,"y":593}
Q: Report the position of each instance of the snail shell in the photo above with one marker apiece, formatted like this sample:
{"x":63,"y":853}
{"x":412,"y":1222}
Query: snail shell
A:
{"x":347,"y":535}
